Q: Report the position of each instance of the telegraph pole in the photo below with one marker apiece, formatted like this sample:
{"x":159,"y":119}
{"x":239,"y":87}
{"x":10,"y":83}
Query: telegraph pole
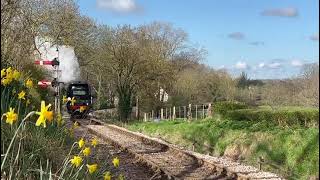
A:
{"x":57,"y":87}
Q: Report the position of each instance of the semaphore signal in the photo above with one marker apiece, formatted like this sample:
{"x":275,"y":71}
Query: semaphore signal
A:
{"x":54,"y":62}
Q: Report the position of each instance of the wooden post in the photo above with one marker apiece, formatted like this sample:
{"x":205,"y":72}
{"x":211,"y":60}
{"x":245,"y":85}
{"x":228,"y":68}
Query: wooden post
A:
{"x":137,"y":108}
{"x":196,"y":112}
{"x":152,"y":114}
{"x":189,"y":112}
{"x":170,"y":115}
{"x":179,"y":112}
{"x":174,"y":113}
{"x":145,"y":117}
{"x":184,"y":112}
{"x":202,"y":111}
{"x":209,"y":110}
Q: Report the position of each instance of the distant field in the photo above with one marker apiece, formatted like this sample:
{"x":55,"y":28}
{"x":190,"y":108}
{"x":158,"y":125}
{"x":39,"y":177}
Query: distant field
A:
{"x":291,"y":152}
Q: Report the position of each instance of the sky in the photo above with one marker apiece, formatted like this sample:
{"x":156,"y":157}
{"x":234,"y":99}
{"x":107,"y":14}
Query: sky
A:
{"x":265,"y":38}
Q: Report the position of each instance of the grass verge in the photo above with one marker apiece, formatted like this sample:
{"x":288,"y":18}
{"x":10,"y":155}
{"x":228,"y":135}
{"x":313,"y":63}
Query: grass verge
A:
{"x":290,"y":152}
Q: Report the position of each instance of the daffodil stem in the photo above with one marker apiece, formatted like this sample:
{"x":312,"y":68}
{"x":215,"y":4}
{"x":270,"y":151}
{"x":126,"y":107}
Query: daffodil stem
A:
{"x":13,"y":138}
{"x":19,"y":107}
{"x":3,"y":99}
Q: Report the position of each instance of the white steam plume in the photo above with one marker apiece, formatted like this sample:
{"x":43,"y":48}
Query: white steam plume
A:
{"x":69,"y":66}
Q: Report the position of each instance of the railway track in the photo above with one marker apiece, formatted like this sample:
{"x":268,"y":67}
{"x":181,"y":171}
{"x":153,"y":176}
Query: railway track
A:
{"x":171,"y":160}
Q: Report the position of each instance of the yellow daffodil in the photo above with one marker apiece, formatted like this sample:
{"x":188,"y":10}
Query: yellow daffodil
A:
{"x":64,"y":99}
{"x":92,"y":168}
{"x":49,"y":116}
{"x":21,"y":95}
{"x":81,"y":143}
{"x":59,"y":119}
{"x":3,"y":72}
{"x":107,"y":176}
{"x":116,"y":162}
{"x":29,"y":83}
{"x":44,"y":114}
{"x":16,"y":75}
{"x":82,"y":108}
{"x":9,"y":74}
{"x":86,"y":151}
{"x":11,"y":116}
{"x":73,"y":100}
{"x":75,"y":124}
{"x":9,"y":70}
{"x":120,"y":177}
{"x":5,"y":81}
{"x":76,"y":161}
{"x":94,"y":142}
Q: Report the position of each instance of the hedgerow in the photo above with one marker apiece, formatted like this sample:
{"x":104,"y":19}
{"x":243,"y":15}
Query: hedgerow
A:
{"x":304,"y":117}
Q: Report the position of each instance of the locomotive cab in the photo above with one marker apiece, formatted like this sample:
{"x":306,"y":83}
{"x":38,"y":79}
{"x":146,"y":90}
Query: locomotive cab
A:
{"x":80,"y":92}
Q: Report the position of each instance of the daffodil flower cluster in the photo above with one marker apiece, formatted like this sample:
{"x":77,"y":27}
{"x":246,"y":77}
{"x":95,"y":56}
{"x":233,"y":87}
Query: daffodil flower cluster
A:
{"x":45,"y":116}
{"x":65,"y":100}
{"x":85,"y":152}
{"x":8,"y":75}
{"x":77,"y":160}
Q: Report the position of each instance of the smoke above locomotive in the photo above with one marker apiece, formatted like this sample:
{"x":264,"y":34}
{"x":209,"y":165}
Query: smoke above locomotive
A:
{"x":69,"y":66}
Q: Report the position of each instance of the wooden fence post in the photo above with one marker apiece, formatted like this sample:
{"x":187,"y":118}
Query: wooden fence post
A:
{"x":174,"y":113}
{"x":196,"y":112}
{"x":161,"y":113}
{"x":202,"y":111}
{"x":152,"y":114}
{"x":209,"y":110}
{"x":189,"y":112}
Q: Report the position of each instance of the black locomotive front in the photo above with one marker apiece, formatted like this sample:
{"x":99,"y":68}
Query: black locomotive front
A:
{"x":79,"y":98}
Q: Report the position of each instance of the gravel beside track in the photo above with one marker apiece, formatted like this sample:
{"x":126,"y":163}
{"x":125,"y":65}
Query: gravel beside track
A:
{"x":171,"y":160}
{"x":105,"y":151}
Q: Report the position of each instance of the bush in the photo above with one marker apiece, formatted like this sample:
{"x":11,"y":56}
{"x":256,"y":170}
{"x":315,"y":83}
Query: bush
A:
{"x":223,"y":107}
{"x":283,"y":117}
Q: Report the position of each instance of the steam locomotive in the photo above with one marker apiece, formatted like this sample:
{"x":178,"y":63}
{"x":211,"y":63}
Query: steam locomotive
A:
{"x":81,"y":93}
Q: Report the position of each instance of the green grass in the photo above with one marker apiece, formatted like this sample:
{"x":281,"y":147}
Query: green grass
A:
{"x":281,"y":116}
{"x":290,"y":152}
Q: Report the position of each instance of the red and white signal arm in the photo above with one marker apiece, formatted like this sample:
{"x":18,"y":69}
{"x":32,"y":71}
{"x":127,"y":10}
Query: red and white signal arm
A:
{"x":44,"y":83}
{"x":54,"y":62}
{"x":45,"y":62}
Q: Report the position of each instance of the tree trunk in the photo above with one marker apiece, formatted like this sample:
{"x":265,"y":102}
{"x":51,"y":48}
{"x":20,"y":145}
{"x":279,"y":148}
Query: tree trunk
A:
{"x":125,"y":105}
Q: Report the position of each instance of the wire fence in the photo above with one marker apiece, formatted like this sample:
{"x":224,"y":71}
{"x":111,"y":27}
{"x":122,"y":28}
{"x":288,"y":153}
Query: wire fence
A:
{"x":190,"y":112}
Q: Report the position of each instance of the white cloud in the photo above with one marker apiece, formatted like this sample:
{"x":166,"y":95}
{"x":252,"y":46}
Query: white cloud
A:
{"x":241,"y":65}
{"x":222,"y":67}
{"x":274,"y":65}
{"x":119,"y":6}
{"x":281,"y":12}
{"x":261,"y":65}
{"x":296,"y":63}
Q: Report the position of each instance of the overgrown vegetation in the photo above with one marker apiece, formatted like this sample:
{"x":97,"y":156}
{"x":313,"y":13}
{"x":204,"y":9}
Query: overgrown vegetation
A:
{"x":35,"y":144}
{"x":222,"y":107}
{"x":283,"y":117}
{"x":290,"y":152}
